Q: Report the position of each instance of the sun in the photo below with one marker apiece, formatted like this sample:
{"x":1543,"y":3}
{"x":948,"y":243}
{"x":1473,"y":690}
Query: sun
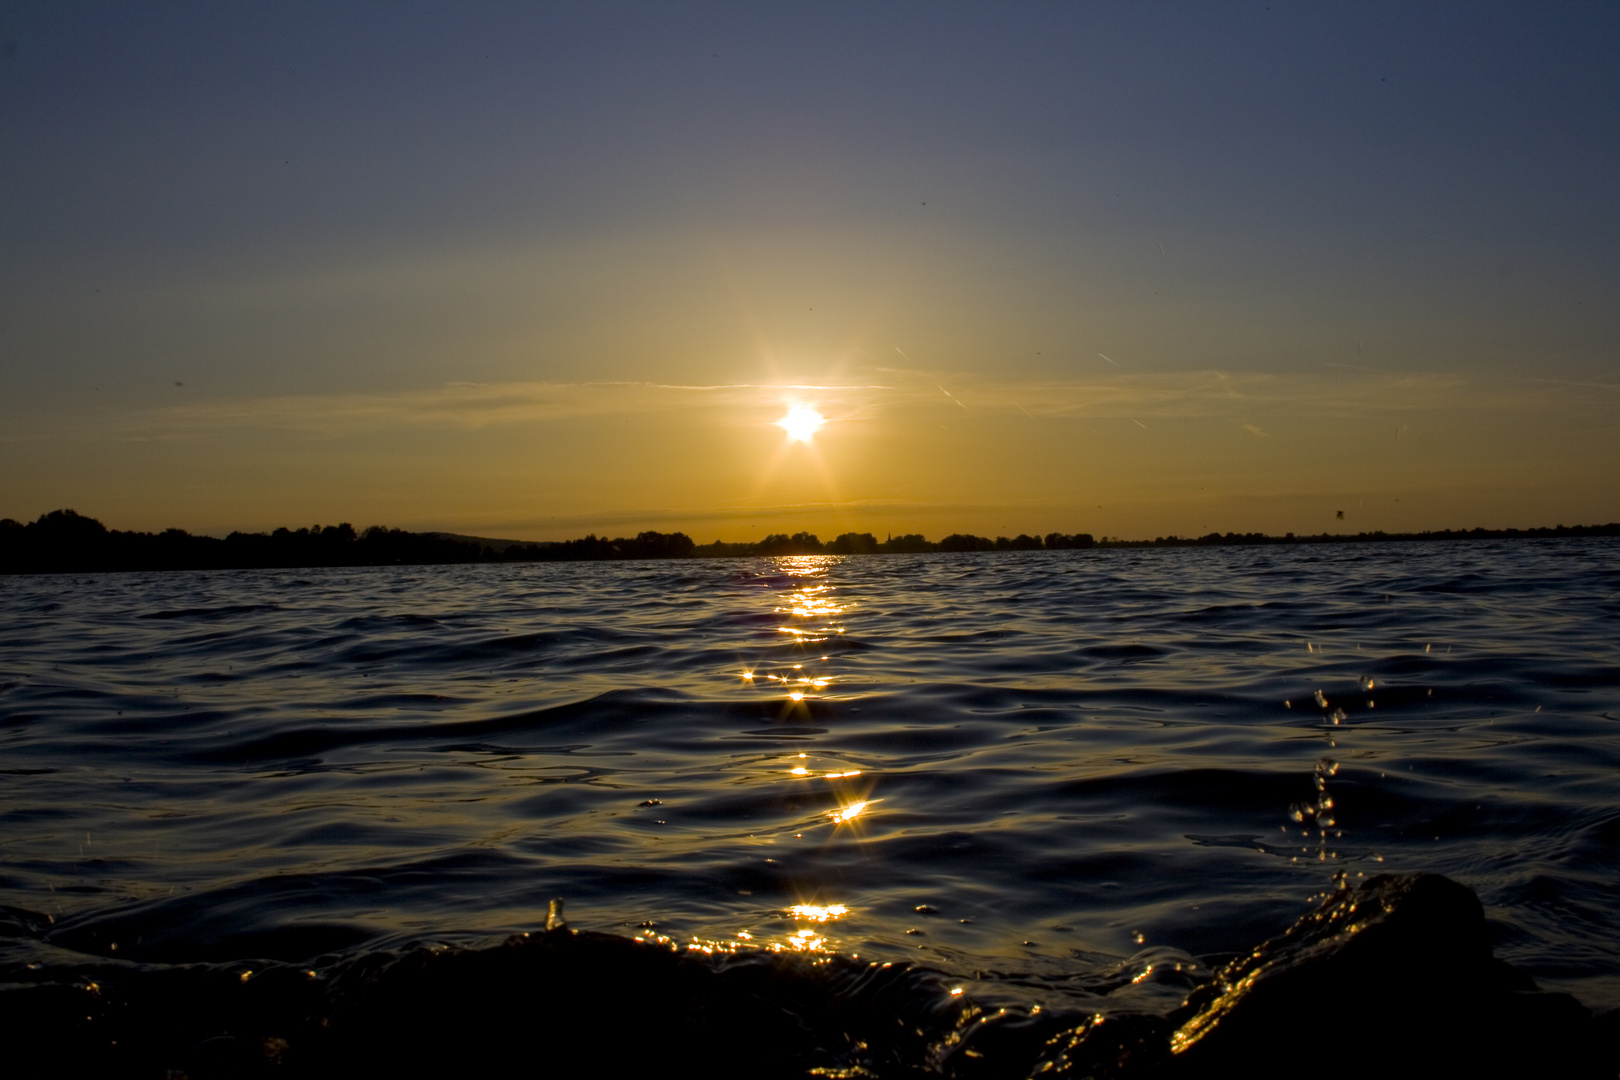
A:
{"x":801,"y":422}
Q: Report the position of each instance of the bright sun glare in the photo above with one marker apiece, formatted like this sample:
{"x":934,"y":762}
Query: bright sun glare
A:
{"x":801,"y":422}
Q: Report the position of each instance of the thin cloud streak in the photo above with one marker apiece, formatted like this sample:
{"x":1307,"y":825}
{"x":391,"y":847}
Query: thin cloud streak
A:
{"x":1244,"y":397}
{"x":471,"y":405}
{"x":722,"y":516}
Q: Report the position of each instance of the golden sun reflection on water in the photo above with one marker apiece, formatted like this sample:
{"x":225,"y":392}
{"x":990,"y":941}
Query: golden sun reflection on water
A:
{"x":808,"y":939}
{"x":853,"y":799}
{"x":850,"y":812}
{"x":802,"y":685}
{"x":814,"y":602}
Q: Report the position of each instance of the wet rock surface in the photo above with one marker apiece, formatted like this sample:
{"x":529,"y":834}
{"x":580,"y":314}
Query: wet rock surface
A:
{"x":557,"y":1003}
{"x":1394,"y":977}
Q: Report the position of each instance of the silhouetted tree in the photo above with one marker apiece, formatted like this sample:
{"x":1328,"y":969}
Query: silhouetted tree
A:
{"x":655,"y":545}
{"x":66,"y":541}
{"x":800,"y":543}
{"x":1061,"y":542}
{"x":910,"y":543}
{"x":966,"y":542}
{"x":722,"y":550}
{"x":853,"y":544}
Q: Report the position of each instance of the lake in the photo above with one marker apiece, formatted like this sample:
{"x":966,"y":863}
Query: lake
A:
{"x":1023,"y":770}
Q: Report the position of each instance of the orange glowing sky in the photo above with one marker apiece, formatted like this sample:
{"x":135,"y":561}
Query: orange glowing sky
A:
{"x":533,"y":271}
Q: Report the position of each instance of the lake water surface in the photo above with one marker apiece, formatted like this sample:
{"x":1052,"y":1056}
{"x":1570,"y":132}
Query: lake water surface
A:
{"x":1023,"y":769}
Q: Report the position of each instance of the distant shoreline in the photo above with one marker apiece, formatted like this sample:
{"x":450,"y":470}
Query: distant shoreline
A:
{"x":64,"y":541}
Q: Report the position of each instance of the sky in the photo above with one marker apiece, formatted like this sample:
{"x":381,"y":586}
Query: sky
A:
{"x":535,"y":270}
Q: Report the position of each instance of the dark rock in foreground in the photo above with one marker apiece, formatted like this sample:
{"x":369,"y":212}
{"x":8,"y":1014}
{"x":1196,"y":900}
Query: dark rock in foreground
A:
{"x":554,"y":1004}
{"x":1392,"y":978}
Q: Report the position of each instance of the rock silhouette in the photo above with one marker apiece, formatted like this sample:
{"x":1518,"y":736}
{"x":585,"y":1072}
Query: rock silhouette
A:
{"x":1393,"y":978}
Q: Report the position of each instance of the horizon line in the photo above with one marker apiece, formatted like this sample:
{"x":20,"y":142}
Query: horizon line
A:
{"x":1100,"y":539}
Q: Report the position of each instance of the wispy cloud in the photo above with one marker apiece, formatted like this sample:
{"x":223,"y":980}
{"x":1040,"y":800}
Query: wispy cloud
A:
{"x":1245,"y":398}
{"x":475,"y":405}
{"x":738,"y":518}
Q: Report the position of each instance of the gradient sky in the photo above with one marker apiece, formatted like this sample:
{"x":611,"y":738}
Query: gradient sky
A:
{"x":533,"y":270}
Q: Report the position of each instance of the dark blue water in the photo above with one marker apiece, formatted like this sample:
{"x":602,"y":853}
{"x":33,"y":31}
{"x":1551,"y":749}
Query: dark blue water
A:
{"x":1023,"y":769}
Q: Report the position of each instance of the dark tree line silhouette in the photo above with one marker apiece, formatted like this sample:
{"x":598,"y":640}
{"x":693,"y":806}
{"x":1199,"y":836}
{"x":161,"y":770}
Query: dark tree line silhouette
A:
{"x":64,"y":541}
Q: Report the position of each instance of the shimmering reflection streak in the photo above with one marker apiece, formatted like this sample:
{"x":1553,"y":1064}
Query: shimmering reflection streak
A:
{"x":809,"y":939}
{"x":803,"y":941}
{"x":812,"y":610}
{"x":800,"y":939}
{"x":850,"y":811}
{"x":851,"y":804}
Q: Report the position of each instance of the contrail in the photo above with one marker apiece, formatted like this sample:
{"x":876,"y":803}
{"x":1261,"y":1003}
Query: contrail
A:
{"x":1106,"y":358}
{"x":1023,"y":410}
{"x":901,"y":351}
{"x":1139,"y":423}
{"x":948,"y":394}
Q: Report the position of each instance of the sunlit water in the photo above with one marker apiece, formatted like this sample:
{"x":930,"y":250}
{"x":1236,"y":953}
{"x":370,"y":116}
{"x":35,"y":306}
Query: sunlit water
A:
{"x":1020,"y":768}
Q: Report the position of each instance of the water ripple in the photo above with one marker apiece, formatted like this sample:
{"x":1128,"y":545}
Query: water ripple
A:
{"x":1032,"y":766}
